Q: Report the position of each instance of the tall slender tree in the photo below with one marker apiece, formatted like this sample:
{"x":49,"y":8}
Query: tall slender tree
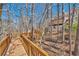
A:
{"x":63,"y":22}
{"x":0,"y":19}
{"x":32,"y":19}
{"x":8,"y":21}
{"x":73,"y":12}
{"x":76,"y":49}
{"x":58,"y":9}
{"x":0,"y":10}
{"x":63,"y":30}
{"x":27,"y":16}
{"x":50,"y":15}
{"x":70,"y":39}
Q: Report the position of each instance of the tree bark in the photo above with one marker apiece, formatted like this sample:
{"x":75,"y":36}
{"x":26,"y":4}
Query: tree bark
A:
{"x":58,"y":18}
{"x":76,"y":50}
{"x":32,"y":19}
{"x":70,"y":40}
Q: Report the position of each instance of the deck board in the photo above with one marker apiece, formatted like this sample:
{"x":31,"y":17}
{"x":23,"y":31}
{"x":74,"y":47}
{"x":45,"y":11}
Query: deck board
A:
{"x":16,"y":48}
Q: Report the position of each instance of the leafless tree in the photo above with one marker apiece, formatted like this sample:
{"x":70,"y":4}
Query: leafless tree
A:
{"x":63,"y":22}
{"x":70,"y":40}
{"x":0,"y":20}
{"x":32,"y":18}
{"x":73,"y":12}
{"x":63,"y":30}
{"x":58,"y":18}
{"x":76,"y":49}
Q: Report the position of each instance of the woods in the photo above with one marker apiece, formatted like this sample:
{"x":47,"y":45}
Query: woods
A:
{"x":54,"y":27}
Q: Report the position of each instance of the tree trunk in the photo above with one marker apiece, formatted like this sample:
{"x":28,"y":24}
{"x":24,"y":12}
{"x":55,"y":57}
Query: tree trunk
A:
{"x":58,"y":19}
{"x":70,"y":40}
{"x":0,"y":10}
{"x":63,"y":23}
{"x":76,"y":50}
{"x":32,"y":19}
{"x":73,"y":12}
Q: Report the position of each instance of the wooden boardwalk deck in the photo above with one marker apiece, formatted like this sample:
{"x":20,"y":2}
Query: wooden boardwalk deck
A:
{"x":16,"y":48}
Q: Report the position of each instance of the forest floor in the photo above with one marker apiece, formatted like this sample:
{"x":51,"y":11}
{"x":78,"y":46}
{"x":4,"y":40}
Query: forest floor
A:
{"x":53,"y":46}
{"x":52,"y":43}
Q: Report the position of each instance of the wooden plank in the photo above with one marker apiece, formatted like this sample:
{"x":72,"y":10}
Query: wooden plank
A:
{"x":56,"y":22}
{"x":4,"y":43}
{"x":16,"y":48}
{"x":41,"y":51}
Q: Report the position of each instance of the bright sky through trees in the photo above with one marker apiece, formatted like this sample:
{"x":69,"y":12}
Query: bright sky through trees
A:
{"x":15,"y":9}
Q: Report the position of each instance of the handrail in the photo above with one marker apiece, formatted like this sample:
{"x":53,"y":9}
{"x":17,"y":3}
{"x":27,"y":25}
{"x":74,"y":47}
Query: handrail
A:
{"x":4,"y":43}
{"x":31,"y":48}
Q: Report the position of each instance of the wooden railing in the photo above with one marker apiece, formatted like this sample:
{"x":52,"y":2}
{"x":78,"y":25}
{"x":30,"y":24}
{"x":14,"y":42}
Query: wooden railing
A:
{"x":31,"y":48}
{"x":4,"y":43}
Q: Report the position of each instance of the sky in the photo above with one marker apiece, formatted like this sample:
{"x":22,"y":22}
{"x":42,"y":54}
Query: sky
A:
{"x":15,"y":10}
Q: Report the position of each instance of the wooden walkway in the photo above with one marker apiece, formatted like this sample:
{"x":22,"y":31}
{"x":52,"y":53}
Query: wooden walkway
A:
{"x":20,"y":45}
{"x":16,"y":48}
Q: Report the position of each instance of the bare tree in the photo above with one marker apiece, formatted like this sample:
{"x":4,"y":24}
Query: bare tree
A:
{"x":70,"y":40}
{"x":32,"y":18}
{"x":63,"y":30}
{"x":0,"y":20}
{"x":63,"y":22}
{"x":76,"y":49}
{"x":58,"y":18}
{"x":8,"y":21}
{"x":73,"y":12}
{"x":27,"y":16}
{"x":0,"y":10}
{"x":50,"y":14}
